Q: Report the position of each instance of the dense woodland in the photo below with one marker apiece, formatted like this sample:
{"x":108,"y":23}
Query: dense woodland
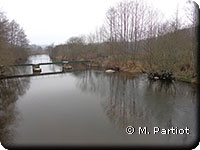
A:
{"x":135,"y":39}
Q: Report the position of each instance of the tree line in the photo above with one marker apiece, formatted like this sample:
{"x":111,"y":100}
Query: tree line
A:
{"x":133,"y":35}
{"x":13,"y":41}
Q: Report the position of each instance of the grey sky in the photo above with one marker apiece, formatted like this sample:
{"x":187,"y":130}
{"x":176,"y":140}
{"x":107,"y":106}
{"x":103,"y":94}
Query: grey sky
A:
{"x":54,"y":21}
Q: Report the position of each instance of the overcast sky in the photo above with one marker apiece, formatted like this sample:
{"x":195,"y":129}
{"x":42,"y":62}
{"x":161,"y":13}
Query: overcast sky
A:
{"x":54,"y":21}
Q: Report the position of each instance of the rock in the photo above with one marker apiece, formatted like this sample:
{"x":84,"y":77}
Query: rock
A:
{"x":37,"y":69}
{"x":156,"y":78}
{"x":67,"y":67}
{"x":110,"y":71}
{"x":116,"y":69}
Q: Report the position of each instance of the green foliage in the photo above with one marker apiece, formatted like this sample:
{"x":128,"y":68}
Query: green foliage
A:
{"x":184,"y":79}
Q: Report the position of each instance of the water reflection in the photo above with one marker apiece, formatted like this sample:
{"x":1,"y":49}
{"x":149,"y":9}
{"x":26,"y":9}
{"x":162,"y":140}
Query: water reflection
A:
{"x":92,"y":107}
{"x":10,"y":90}
{"x":36,"y":59}
{"x":136,"y":101}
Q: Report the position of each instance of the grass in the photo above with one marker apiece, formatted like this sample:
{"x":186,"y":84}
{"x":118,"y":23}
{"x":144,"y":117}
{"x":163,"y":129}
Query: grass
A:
{"x":184,"y":79}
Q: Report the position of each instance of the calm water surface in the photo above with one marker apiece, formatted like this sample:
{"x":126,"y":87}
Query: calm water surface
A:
{"x":91,"y":107}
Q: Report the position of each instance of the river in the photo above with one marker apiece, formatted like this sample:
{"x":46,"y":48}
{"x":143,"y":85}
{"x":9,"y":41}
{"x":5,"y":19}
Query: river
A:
{"x":93,"y":108}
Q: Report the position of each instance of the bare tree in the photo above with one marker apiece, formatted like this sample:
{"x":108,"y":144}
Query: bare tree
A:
{"x":13,"y":41}
{"x":191,"y":11}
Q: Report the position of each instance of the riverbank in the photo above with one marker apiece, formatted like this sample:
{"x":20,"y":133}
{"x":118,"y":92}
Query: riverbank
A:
{"x":187,"y":79}
{"x":128,"y":66}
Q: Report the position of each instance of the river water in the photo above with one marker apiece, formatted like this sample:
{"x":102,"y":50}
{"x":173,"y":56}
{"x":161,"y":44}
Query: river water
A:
{"x":93,"y":108}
